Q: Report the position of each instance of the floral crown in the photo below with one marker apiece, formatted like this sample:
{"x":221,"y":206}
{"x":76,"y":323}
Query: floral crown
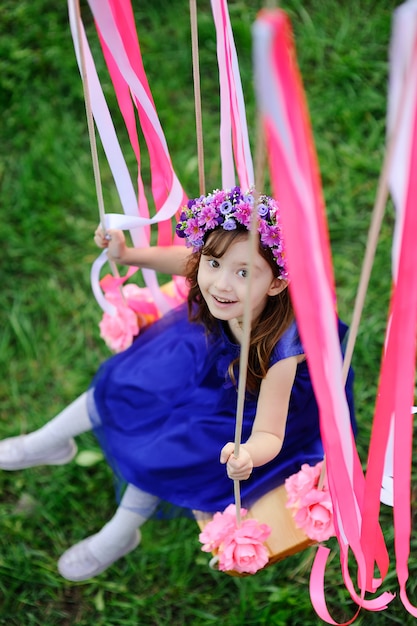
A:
{"x":228,"y":209}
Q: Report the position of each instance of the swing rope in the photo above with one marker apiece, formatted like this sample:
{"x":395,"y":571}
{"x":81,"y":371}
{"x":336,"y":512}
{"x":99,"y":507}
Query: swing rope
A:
{"x":373,"y":234}
{"x":197,"y":95}
{"x":246,"y":322}
{"x":247,"y":314}
{"x":91,"y":133}
{"x":89,"y":115}
{"x":378,"y":211}
{"x":370,"y":250}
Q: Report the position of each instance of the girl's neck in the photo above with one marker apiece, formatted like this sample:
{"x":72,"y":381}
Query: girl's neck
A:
{"x":235,"y":327}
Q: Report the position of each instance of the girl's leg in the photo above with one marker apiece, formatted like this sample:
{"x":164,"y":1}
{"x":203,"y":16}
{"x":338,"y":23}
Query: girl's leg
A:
{"x":117,"y":538}
{"x":50,"y":445}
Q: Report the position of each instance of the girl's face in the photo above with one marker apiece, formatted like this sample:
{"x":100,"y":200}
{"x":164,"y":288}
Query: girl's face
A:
{"x":223,"y":282}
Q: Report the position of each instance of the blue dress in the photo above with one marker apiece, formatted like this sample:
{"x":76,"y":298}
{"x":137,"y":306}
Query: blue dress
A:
{"x":163,"y":409}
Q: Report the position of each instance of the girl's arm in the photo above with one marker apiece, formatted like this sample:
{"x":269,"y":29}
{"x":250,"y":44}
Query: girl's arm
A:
{"x":164,"y":259}
{"x":267,"y":436}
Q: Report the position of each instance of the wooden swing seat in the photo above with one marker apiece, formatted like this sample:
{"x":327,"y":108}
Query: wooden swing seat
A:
{"x":285,"y":538}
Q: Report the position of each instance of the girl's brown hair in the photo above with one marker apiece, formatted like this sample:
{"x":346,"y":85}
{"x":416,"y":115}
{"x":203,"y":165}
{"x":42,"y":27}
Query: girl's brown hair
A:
{"x":273,"y":322}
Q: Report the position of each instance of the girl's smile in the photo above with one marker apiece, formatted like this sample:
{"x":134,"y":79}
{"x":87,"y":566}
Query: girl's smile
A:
{"x":221,"y":301}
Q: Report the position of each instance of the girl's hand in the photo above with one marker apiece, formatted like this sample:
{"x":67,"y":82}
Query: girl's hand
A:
{"x":113,"y":240}
{"x":238,"y":468}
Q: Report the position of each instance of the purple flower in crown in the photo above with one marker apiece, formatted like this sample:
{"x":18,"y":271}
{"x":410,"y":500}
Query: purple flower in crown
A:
{"x":180,"y":231}
{"x":263,"y":210}
{"x":226,"y":207}
{"x":229,"y":224}
{"x":236,"y":194}
{"x":197,"y":243}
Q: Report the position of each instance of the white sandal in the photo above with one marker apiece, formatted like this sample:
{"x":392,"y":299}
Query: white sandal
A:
{"x":78,"y":563}
{"x":13,"y":455}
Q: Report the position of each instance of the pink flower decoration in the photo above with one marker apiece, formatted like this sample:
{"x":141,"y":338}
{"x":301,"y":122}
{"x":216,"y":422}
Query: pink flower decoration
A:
{"x":244,"y":214}
{"x":216,"y":531}
{"x":313,"y":508}
{"x":208,"y":217}
{"x":118,"y":330}
{"x":239,"y":548}
{"x":244,"y":550}
{"x":134,"y":310}
{"x":316,"y":515}
{"x":302,"y":482}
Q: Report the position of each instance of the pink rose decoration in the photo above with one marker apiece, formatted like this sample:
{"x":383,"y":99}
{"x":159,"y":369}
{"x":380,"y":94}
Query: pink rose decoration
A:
{"x":313,"y":508}
{"x":239,"y":548}
{"x":134,"y":310}
{"x":216,"y":531}
{"x":118,"y":330}
{"x":316,"y":515}
{"x":244,"y":551}
{"x":302,"y":482}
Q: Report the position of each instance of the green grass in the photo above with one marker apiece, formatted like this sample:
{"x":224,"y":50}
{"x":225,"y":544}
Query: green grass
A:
{"x":49,"y":340}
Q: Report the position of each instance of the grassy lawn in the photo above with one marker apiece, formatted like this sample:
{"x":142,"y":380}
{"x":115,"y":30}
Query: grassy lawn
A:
{"x":49,"y":338}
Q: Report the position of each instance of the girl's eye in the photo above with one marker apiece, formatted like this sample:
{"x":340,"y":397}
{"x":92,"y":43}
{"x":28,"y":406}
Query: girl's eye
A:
{"x":243,"y":273}
{"x":213,"y":263}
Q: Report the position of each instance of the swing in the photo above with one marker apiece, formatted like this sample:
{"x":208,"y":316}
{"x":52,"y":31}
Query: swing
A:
{"x":285,"y":538}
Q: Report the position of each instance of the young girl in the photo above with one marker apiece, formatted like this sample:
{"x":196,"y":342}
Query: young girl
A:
{"x":164,"y":410}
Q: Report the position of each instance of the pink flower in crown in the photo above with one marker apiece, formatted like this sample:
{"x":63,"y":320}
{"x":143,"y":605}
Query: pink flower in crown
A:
{"x":280,"y":259}
{"x":217,"y":197}
{"x":208,"y":217}
{"x":193,"y":230}
{"x":302,"y":482}
{"x":270,"y":234}
{"x":222,"y":525}
{"x":244,"y":550}
{"x":315,"y":515}
{"x":243,"y":214}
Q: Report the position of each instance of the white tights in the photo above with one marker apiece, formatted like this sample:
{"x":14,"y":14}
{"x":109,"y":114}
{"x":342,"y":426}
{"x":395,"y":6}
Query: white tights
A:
{"x":72,"y":421}
{"x":136,"y":505}
{"x":135,"y":508}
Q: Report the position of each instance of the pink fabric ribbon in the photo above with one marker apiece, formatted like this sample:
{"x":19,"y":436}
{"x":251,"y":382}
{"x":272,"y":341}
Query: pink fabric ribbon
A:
{"x":234,"y":138}
{"x":296,"y":183}
{"x":117,"y":30}
{"x":116,"y":26}
{"x":393,"y":421}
